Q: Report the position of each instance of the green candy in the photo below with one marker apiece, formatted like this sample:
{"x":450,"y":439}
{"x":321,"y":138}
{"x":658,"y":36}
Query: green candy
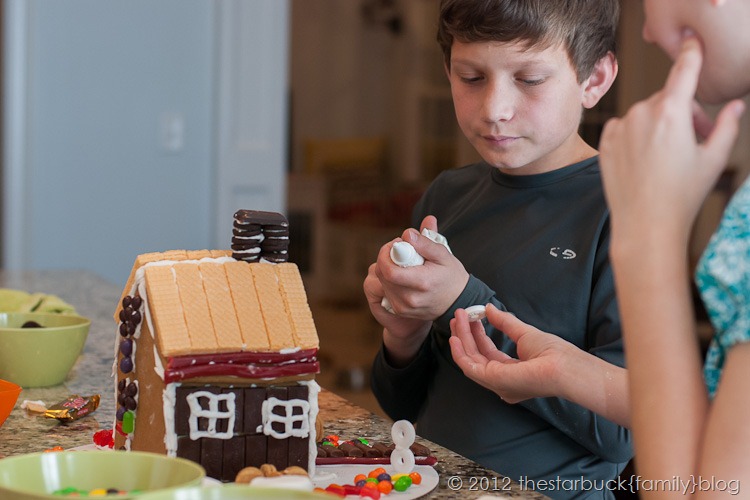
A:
{"x":402,"y":483}
{"x":128,"y":422}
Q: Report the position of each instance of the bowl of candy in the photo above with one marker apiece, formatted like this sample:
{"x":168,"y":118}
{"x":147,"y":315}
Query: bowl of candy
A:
{"x":234,"y":492}
{"x":47,"y":476}
{"x":38,"y":350}
{"x":8,"y":396}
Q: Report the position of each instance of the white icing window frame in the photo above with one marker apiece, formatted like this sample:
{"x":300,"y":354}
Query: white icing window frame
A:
{"x":213,"y":414}
{"x":288,"y":419}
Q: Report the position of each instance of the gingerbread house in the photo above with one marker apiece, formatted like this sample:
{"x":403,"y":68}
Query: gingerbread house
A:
{"x":215,"y":362}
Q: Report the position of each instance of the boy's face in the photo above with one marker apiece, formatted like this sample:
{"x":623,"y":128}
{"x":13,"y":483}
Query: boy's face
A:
{"x":520,"y":108}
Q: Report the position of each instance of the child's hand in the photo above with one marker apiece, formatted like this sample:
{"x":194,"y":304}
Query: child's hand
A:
{"x":402,"y":336}
{"x":425,"y":291}
{"x":534,"y":374}
{"x":398,"y":326}
{"x":656,"y":173}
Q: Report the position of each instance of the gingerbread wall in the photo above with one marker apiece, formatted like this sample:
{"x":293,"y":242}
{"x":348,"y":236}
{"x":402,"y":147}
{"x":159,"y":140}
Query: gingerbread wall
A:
{"x":248,"y":446}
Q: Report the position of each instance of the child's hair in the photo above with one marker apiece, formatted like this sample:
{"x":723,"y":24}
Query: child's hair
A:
{"x":586,"y":28}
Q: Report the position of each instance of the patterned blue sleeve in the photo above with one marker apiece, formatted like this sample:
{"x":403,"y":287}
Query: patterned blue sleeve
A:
{"x":723,"y":278}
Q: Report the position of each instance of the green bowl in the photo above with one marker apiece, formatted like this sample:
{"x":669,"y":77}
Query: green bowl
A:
{"x":40,"y":357}
{"x":37,"y":475}
{"x":232,"y":492}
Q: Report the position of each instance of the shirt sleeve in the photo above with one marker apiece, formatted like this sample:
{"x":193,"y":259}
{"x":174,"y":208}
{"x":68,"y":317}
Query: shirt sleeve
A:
{"x":401,"y":391}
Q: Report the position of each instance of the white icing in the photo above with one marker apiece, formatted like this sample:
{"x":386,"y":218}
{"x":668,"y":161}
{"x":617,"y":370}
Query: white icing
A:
{"x":476,"y":313}
{"x":312,"y":395}
{"x":250,"y":251}
{"x":169,"y":398}
{"x":324,"y":477}
{"x":257,"y":237}
{"x":213,"y":414}
{"x":287,"y":419}
{"x":289,"y":350}
{"x":403,"y":254}
{"x":436,"y":237}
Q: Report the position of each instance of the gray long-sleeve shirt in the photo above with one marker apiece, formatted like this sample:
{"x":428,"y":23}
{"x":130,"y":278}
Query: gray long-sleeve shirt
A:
{"x":537,"y":246}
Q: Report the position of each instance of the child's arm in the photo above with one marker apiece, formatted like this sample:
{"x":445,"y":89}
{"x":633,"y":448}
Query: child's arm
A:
{"x":656,"y":175}
{"x":547,"y":366}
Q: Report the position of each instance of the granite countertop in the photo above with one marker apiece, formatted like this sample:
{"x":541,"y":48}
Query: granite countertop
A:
{"x":96,"y":299}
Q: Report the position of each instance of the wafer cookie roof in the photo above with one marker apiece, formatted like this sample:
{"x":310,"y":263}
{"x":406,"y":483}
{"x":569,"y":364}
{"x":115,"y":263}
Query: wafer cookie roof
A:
{"x":210,"y":305}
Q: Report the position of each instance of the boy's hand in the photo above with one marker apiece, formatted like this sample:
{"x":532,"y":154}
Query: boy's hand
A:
{"x":400,"y":327}
{"x":421,"y":292}
{"x":533,"y":374}
{"x":656,"y":173}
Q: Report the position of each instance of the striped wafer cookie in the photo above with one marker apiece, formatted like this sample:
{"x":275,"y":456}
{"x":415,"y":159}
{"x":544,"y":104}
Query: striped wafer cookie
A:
{"x":195,"y":307}
{"x":272,"y":306}
{"x":221,"y":307}
{"x":216,"y":254}
{"x":246,"y":306}
{"x":166,"y":311}
{"x":295,"y":300}
{"x":198,"y":254}
{"x":141,"y":261}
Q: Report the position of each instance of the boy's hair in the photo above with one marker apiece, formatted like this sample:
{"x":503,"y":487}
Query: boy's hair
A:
{"x":586,"y":28}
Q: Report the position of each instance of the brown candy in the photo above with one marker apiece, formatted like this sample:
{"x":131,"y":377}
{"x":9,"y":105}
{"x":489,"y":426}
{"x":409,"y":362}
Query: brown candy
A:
{"x":420,"y":450}
{"x":350,"y":450}
{"x":367,"y":451}
{"x":73,"y":407}
{"x":385,"y":451}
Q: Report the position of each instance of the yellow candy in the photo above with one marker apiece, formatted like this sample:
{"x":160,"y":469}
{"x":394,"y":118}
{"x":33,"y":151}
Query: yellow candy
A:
{"x":101,"y":492}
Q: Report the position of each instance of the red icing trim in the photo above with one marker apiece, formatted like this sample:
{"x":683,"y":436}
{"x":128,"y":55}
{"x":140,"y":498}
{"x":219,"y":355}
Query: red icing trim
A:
{"x":369,"y":461}
{"x":241,"y":371}
{"x":247,"y":357}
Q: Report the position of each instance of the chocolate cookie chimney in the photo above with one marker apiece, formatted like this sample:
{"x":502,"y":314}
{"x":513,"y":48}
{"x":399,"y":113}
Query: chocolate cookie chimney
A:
{"x":259,"y":235}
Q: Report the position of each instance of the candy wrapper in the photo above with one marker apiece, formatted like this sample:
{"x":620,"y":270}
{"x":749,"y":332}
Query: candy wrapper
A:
{"x":73,"y":407}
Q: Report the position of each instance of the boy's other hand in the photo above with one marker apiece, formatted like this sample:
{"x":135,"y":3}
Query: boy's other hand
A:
{"x":534,"y":373}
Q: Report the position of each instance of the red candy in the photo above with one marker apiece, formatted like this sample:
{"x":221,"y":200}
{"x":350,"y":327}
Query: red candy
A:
{"x":378,"y":482}
{"x":104,"y":439}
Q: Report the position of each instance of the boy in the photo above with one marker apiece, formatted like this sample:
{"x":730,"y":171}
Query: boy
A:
{"x":529,"y":232}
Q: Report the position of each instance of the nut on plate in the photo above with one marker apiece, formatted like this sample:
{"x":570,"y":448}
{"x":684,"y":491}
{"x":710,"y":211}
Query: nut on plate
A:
{"x":248,"y":474}
{"x":269,"y":470}
{"x":294,"y":470}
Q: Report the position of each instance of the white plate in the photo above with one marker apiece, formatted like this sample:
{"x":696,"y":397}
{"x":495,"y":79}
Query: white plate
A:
{"x":344,"y":474}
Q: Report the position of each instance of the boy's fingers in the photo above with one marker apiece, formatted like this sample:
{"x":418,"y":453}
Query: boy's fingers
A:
{"x":508,"y":323}
{"x":426,"y":247}
{"x":429,"y":222}
{"x":461,"y":329}
{"x":682,"y":81}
